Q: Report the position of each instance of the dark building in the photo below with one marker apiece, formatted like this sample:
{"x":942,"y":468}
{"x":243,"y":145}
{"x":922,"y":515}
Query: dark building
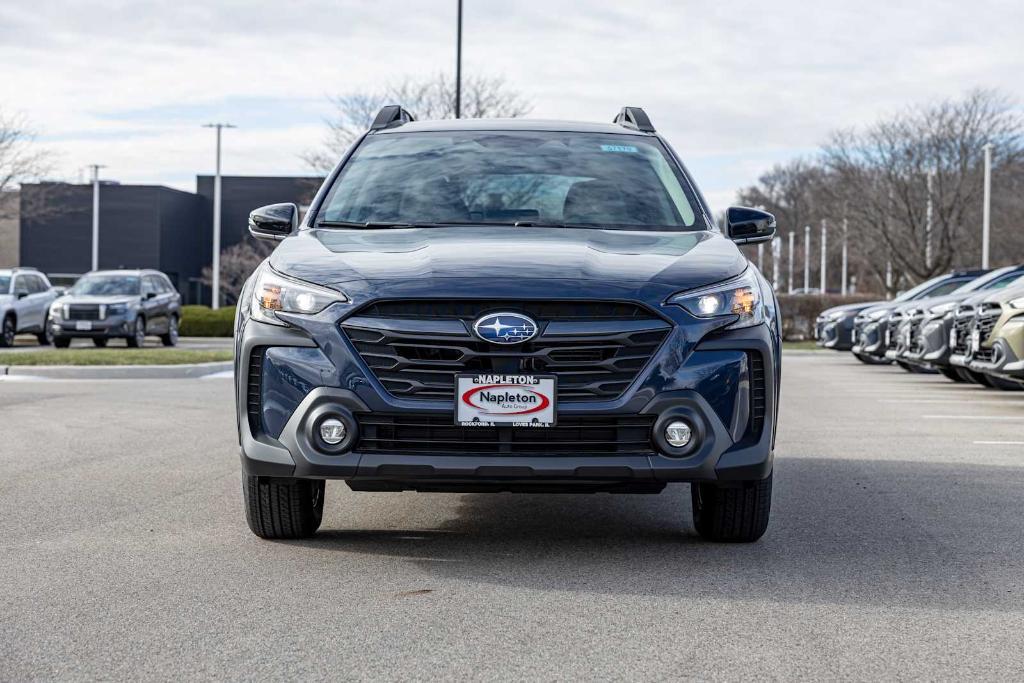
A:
{"x":144,"y":226}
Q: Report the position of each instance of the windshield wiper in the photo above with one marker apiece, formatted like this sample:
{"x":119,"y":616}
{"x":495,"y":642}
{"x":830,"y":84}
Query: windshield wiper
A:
{"x":371,"y":225}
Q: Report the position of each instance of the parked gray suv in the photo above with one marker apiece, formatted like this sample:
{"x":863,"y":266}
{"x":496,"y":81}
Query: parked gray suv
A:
{"x":128,"y":304}
{"x":25,"y":298}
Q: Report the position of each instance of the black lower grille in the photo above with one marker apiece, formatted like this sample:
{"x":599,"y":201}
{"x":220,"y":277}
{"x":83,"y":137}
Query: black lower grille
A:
{"x":914,"y":339}
{"x":984,"y":324}
{"x":438,"y":435}
{"x":758,"y":394}
{"x":595,"y":349}
{"x":962,"y":328}
{"x":83,"y":312}
{"x":893,"y":328}
{"x":254,"y":392}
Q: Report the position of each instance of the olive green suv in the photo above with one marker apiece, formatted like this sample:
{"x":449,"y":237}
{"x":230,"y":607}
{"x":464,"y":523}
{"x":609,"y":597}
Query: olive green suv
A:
{"x":988,"y":335}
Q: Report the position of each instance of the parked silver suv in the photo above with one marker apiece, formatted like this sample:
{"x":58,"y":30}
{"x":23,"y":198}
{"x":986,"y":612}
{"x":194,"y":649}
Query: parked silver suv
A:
{"x":25,"y":298}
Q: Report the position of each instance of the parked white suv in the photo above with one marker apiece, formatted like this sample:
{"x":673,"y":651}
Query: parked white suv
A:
{"x":25,"y":298}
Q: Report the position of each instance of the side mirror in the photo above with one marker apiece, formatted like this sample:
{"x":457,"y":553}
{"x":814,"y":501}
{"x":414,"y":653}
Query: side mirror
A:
{"x":150,"y":295}
{"x":749,"y":226}
{"x":21,"y":293}
{"x":60,"y":291}
{"x":274,"y":222}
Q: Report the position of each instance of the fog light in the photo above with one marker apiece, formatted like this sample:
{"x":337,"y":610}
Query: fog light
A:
{"x":332,"y":431}
{"x":678,"y":433}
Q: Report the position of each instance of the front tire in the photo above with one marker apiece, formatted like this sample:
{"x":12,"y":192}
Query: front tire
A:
{"x":871,"y":360}
{"x":1004,"y":384}
{"x":138,"y":338}
{"x":100,"y":342}
{"x":737,"y":514}
{"x":45,"y":337}
{"x":171,"y":338}
{"x":951,"y":373}
{"x":283,"y":508}
{"x":7,"y":332}
{"x":62,"y":342}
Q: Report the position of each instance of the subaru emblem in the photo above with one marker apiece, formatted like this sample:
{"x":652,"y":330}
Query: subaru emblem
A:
{"x":505,"y":328}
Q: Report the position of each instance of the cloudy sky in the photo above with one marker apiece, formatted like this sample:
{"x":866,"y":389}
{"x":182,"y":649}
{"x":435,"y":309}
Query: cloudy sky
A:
{"x":736,"y":85}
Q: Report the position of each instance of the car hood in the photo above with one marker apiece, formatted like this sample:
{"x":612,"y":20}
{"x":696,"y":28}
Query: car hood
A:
{"x":87,"y":300}
{"x":925,"y":304}
{"x":849,"y":308}
{"x":508,"y":256}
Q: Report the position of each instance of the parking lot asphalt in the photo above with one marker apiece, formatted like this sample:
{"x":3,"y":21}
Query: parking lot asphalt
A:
{"x":894,"y":550}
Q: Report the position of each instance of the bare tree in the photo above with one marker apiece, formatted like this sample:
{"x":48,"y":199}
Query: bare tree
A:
{"x":237,"y":263}
{"x":434,"y":98}
{"x":889,"y":174}
{"x":20,"y":160}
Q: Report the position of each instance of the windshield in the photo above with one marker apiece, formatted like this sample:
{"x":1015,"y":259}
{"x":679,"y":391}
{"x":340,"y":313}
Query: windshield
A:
{"x":510,"y":177}
{"x":5,"y":283}
{"x":106,"y":285}
{"x":986,"y":281}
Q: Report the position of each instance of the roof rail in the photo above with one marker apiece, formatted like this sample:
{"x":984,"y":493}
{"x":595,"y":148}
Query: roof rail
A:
{"x":635,"y":118}
{"x":390,"y":116}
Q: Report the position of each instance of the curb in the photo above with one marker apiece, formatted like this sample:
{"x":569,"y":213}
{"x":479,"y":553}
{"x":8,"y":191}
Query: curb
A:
{"x":184,"y":371}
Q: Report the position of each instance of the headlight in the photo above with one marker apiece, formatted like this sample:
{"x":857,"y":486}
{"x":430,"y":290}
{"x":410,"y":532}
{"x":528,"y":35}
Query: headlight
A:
{"x":56,"y":311}
{"x":276,"y":293}
{"x":1017,"y":303}
{"x":740,"y":297}
{"x":838,"y":315}
{"x":941,"y":309}
{"x":117,"y":309}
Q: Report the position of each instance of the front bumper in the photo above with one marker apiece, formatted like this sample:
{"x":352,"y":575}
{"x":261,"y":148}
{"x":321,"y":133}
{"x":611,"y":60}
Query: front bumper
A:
{"x":931,"y":342}
{"x":869,"y":338}
{"x":300,"y":381}
{"x":835,"y":334}
{"x":111,"y":326}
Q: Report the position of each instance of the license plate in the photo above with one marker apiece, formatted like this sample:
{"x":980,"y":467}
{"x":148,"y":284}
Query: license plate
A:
{"x":84,"y":325}
{"x":489,"y":400}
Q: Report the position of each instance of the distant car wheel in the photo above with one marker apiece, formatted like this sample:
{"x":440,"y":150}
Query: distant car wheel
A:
{"x":737,"y":514}
{"x":871,"y":360}
{"x":139,"y":337}
{"x":171,"y":338}
{"x":46,"y":336}
{"x":7,"y":332}
{"x":976,"y":377}
{"x":100,"y":342}
{"x":951,"y":373}
{"x":283,"y":508}
{"x":1004,"y":384}
{"x":62,"y":342}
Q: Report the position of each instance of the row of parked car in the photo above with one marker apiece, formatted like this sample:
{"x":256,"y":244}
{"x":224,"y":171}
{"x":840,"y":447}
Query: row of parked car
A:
{"x":102,"y":305}
{"x":967,"y":325}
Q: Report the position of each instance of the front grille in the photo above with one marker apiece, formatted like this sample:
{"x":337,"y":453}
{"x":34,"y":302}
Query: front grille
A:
{"x":984,"y":324}
{"x":439,"y":435}
{"x":893,"y":328}
{"x":962,"y":325}
{"x":914,"y":344}
{"x":83,"y":312}
{"x":758,"y":394}
{"x":595,"y":349}
{"x":254,"y":404}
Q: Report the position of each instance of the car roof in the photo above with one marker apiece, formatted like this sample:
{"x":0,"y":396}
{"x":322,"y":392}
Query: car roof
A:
{"x":511,"y":125}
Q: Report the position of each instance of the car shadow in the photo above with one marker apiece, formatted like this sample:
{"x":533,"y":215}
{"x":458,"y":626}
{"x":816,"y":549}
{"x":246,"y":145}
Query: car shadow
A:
{"x":842,"y":531}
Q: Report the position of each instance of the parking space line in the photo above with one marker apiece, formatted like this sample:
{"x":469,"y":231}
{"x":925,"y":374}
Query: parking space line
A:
{"x":1000,"y":443}
{"x":988,"y":402}
{"x":974,"y":417}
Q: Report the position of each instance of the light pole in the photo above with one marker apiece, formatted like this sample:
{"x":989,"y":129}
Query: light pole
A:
{"x":791,"y":256}
{"x":776,"y":254}
{"x":96,"y":215}
{"x":807,"y":258}
{"x":215,"y":295}
{"x":458,"y":63}
{"x":824,"y":246}
{"x":986,"y":212}
{"x":845,"y":262}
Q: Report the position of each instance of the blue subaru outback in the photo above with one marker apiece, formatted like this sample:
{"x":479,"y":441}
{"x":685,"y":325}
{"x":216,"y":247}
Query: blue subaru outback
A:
{"x":523,"y":306}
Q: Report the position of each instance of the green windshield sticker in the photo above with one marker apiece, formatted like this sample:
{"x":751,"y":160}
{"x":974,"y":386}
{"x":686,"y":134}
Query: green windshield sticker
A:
{"x":619,"y":148}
